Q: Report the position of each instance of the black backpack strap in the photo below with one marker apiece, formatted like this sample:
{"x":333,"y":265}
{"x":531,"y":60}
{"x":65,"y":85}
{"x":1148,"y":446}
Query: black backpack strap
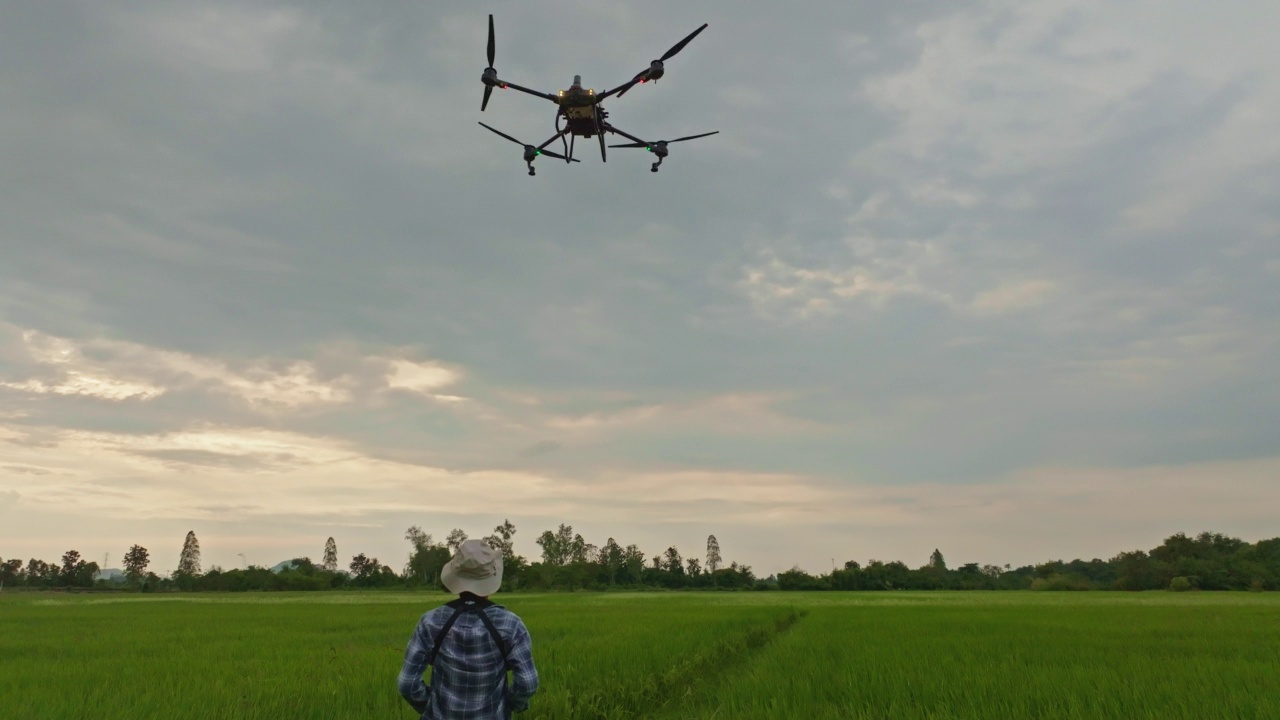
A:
{"x":435,"y":646}
{"x":493,"y":633}
{"x":474,"y":605}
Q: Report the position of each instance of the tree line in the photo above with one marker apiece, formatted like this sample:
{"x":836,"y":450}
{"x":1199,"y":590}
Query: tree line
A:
{"x":1208,"y":561}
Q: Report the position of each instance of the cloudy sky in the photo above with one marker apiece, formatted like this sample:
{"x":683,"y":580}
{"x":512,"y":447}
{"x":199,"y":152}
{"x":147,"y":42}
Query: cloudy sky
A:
{"x":998,"y":277}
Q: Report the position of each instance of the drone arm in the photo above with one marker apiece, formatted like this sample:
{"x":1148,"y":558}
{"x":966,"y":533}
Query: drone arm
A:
{"x":554,"y":138}
{"x":512,"y":86}
{"x":624,"y":134}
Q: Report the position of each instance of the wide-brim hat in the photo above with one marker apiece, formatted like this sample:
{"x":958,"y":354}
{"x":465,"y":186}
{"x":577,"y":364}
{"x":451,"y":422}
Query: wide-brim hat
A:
{"x":476,"y":568}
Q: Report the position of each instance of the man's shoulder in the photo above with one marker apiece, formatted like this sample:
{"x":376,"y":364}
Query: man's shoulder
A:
{"x":498,"y":613}
{"x":436,"y":616}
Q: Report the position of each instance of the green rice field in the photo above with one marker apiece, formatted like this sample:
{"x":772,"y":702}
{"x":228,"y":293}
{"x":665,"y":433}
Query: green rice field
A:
{"x":659,"y":655}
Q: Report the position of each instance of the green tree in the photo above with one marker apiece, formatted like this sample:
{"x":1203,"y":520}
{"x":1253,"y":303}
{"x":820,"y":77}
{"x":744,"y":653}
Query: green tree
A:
{"x":672,"y":562}
{"x":427,"y":558}
{"x":936,"y":560}
{"x":70,"y":560}
{"x":501,"y":539}
{"x":363,"y":568}
{"x":11,"y":571}
{"x":135,"y":564}
{"x":633,"y":563}
{"x":41,"y":573}
{"x":76,"y":572}
{"x":580,"y":551}
{"x":454,"y":540}
{"x":330,"y":555}
{"x":613,"y":558}
{"x":713,"y":555}
{"x":557,"y":547}
{"x":189,"y":559}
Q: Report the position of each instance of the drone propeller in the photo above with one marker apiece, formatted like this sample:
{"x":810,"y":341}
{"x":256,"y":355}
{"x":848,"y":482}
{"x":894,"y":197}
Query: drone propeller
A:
{"x":680,"y":45}
{"x":662,"y":143}
{"x":659,"y":147}
{"x":530,"y":151}
{"x":655,"y":69}
{"x":490,"y":76}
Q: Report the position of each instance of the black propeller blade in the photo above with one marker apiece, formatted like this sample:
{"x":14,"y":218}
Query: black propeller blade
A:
{"x":662,"y":142}
{"x":655,"y":69}
{"x":491,"y":46}
{"x":677,"y":47}
{"x":534,"y":148}
{"x":489,"y":72}
{"x":691,"y":137}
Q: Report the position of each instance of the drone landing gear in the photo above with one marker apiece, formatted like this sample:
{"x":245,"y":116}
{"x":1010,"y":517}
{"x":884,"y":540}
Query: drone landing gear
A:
{"x":531,"y":170}
{"x":654,"y":167}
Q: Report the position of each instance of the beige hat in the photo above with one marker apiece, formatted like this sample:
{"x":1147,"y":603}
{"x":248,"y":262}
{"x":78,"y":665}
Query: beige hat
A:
{"x":475,"y":568}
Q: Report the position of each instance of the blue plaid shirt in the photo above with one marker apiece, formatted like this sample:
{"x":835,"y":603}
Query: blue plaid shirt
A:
{"x":469,"y":680}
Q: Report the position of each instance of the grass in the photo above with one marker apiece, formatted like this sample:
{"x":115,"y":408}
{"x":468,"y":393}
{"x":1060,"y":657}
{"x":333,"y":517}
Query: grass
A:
{"x":659,"y":655}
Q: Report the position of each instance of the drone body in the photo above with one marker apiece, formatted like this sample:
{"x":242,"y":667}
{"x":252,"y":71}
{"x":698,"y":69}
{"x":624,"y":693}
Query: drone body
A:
{"x":579,"y":112}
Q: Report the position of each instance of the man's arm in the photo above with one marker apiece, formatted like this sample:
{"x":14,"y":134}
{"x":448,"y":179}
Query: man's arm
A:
{"x":520,"y":662}
{"x":412,"y":688}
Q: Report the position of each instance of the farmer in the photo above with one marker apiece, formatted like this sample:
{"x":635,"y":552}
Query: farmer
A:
{"x":470,"y":644}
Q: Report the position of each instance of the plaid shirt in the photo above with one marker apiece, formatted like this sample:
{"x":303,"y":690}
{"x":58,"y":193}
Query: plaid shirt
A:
{"x":469,"y":680}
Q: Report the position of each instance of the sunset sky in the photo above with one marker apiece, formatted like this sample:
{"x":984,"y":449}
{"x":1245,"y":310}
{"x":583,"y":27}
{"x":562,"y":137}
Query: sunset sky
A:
{"x":1000,"y":278}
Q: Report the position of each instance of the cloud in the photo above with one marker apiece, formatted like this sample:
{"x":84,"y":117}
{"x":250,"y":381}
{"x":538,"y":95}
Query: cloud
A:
{"x":542,"y":447}
{"x":775,"y":283}
{"x":118,"y":370}
{"x":1012,"y":296}
{"x":77,"y":384}
{"x":420,"y":378}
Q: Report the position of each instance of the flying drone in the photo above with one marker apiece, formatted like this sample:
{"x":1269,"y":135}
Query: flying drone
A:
{"x":580,"y":113}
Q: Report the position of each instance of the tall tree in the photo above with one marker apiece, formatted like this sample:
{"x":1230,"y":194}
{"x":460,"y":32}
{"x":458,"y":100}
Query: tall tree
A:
{"x":936,"y":560}
{"x":557,"y":546}
{"x":40,"y":572}
{"x":330,"y":555}
{"x":713,"y":554}
{"x":672,"y":562}
{"x":580,"y":550}
{"x":364,"y":567}
{"x":135,"y":564}
{"x":612,"y":557}
{"x":633,"y":561}
{"x":70,"y":563}
{"x":417,"y":538}
{"x":551,"y":554}
{"x":189,"y":560}
{"x":501,"y":539}
{"x":692,"y":567}
{"x":564,"y":540}
{"x":455,"y":539}
{"x":10,"y":571}
{"x":427,"y":558}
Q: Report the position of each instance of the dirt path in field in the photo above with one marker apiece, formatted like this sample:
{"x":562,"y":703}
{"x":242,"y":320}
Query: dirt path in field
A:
{"x":659,"y":697}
